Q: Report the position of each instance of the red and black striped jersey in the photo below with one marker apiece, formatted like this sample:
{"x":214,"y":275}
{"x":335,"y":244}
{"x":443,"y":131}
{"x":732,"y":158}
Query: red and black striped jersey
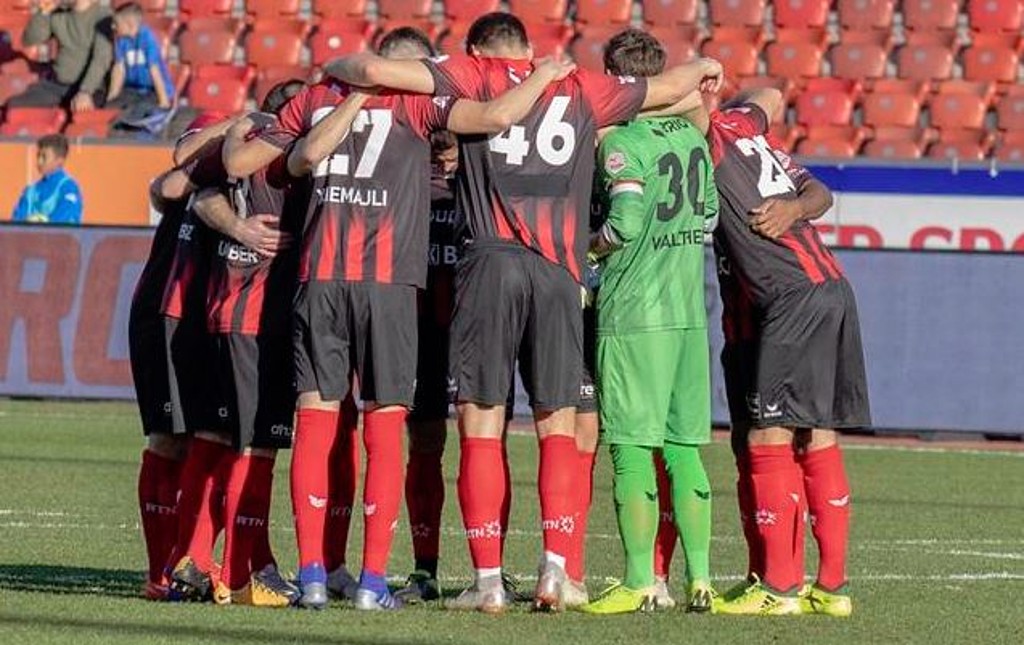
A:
{"x":531,"y":184}
{"x":751,"y":167}
{"x":147,"y":300}
{"x":248,"y":292}
{"x":184,"y":293}
{"x":365,"y":221}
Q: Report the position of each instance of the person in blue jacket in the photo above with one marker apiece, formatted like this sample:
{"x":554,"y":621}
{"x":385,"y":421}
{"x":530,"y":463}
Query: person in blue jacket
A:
{"x":56,"y":197}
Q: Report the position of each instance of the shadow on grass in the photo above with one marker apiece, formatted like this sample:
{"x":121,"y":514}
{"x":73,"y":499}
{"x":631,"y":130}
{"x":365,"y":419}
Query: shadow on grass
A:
{"x":118,"y":583}
{"x":185,"y":632}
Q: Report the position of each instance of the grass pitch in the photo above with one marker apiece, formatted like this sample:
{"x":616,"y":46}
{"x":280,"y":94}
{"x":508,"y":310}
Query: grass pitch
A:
{"x":937,"y":552}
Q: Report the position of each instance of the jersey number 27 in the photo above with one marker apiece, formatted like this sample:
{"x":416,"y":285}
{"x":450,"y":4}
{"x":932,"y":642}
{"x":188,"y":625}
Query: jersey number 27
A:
{"x":379,"y":122}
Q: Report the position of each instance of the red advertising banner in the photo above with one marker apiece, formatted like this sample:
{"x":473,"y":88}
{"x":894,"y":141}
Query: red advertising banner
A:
{"x":64,"y":302}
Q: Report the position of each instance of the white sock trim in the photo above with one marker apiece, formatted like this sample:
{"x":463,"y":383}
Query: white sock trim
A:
{"x":554,"y":558}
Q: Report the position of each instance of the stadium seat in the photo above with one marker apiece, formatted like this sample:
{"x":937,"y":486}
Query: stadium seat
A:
{"x":964,"y":144}
{"x":192,"y":9}
{"x":33,"y":122}
{"x":737,"y":13}
{"x":453,"y":39}
{"x":1011,"y":147}
{"x":784,"y":85}
{"x":930,"y":15}
{"x":268,"y":77}
{"x":209,"y":40}
{"x":991,"y":62}
{"x":917,"y":89}
{"x":268,"y":9}
{"x":661,"y":13}
{"x":679,"y":42}
{"x":894,"y":142}
{"x":164,"y":28}
{"x":824,"y":107}
{"x":831,"y":147}
{"x":858,"y":60}
{"x":404,"y":9}
{"x":550,"y":38}
{"x":812,"y":35}
{"x":220,"y":88}
{"x":94,"y":124}
{"x":537,"y":11}
{"x":468,"y":10}
{"x":924,"y":62}
{"x":426,"y":25}
{"x":794,"y":60}
{"x":335,"y":10}
{"x":1010,"y":110}
{"x":588,"y":48}
{"x":737,"y":55}
{"x":334,"y":38}
{"x":180,"y":74}
{"x":15,"y":77}
{"x":862,"y":15}
{"x":984,"y":90}
{"x":604,"y":12}
{"x":151,"y":8}
{"x":882,"y":109}
{"x":1006,"y":16}
{"x":17,"y":6}
{"x":801,"y":14}
{"x":956,"y":110}
{"x":275,"y":42}
{"x":783,"y":135}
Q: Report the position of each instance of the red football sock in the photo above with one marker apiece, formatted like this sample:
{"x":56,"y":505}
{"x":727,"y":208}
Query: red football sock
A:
{"x":346,"y":459}
{"x":315,"y":431}
{"x":424,"y":495}
{"x":777,"y":491}
{"x":576,"y":562}
{"x":558,"y":510}
{"x":668,"y":535}
{"x":382,"y":492}
{"x":156,"y":475}
{"x":246,"y":516}
{"x":745,"y":500}
{"x":506,"y":499}
{"x":828,"y":499}
{"x":482,"y":495}
{"x":196,"y":508}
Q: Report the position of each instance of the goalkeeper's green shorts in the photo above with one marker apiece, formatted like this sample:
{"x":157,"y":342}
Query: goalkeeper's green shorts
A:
{"x":654,"y":387}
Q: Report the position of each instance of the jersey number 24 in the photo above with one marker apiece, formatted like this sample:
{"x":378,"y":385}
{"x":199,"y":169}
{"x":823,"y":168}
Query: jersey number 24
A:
{"x":773,"y":179}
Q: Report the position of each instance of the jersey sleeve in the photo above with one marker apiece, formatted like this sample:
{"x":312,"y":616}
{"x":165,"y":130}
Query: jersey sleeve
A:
{"x":749,"y":119}
{"x":292,"y":122}
{"x":456,"y":76}
{"x":69,"y":205}
{"x":623,"y":170}
{"x":427,"y":114}
{"x":612,"y":99}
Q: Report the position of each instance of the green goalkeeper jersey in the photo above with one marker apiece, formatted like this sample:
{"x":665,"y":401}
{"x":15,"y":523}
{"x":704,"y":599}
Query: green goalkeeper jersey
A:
{"x":658,"y":174}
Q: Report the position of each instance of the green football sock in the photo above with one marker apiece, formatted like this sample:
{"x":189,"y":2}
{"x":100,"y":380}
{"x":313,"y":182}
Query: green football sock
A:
{"x":636,"y":508}
{"x":691,"y":503}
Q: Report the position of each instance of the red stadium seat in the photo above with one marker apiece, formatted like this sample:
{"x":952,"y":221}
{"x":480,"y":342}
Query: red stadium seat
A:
{"x":425,"y":25}
{"x":924,"y":62}
{"x":33,"y":122}
{"x":150,"y":7}
{"x":930,"y":15}
{"x":334,"y":38}
{"x":991,"y":63}
{"x":955,"y":110}
{"x":996,"y":15}
{"x":784,"y":85}
{"x":164,"y":28}
{"x":267,"y":9}
{"x":588,"y":48}
{"x":965,"y":144}
{"x":984,"y":90}
{"x":1010,"y":110}
{"x":453,"y":39}
{"x":812,"y":35}
{"x":660,"y":13}
{"x":679,"y":43}
{"x":794,"y":60}
{"x":220,"y":88}
{"x":917,"y":89}
{"x":334,"y":10}
{"x":549,"y":39}
{"x":824,"y":107}
{"x":836,"y":148}
{"x":737,"y":13}
{"x":404,"y":9}
{"x":209,"y":40}
{"x":784,"y":135}
{"x":604,"y":12}
{"x":468,"y":10}
{"x":891,"y":109}
{"x":268,"y":77}
{"x":858,"y":60}
{"x":801,"y":14}
{"x":1011,"y":147}
{"x":535,"y":11}
{"x":180,"y":74}
{"x":192,"y":9}
{"x":894,"y":142}
{"x":737,"y":55}
{"x":277,"y":42}
{"x":94,"y":124}
{"x":856,"y":15}
{"x":16,"y":6}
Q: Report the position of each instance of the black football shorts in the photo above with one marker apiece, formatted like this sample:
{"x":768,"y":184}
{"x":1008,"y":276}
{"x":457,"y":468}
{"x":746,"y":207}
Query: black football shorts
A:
{"x":196,"y":399}
{"x":149,"y":353}
{"x":512,"y":303}
{"x":361,"y":327}
{"x":588,"y":390}
{"x":806,"y":368}
{"x":256,"y":375}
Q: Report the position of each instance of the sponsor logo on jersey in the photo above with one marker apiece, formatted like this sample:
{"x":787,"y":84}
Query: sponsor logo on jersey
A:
{"x":238,"y":254}
{"x":615,"y":163}
{"x":441,"y":101}
{"x":185,"y":232}
{"x":439,"y":59}
{"x":627,"y":80}
{"x":443,"y":255}
{"x":281,"y":430}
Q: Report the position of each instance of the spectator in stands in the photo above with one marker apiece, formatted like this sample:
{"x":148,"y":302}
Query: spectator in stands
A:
{"x":55,"y":198}
{"x":82,"y":29}
{"x":140,"y":82}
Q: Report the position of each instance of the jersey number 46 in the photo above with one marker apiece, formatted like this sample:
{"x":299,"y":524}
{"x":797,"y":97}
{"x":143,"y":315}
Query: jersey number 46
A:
{"x":555,"y":139}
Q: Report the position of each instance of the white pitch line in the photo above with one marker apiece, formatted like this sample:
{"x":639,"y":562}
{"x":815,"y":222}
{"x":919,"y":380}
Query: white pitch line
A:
{"x":935,"y":450}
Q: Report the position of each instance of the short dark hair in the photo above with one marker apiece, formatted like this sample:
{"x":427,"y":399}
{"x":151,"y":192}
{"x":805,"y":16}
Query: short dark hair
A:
{"x":497,"y":28}
{"x":411,"y":35}
{"x":280,"y":94}
{"x":129,"y":9}
{"x":634,"y":52}
{"x":56,"y":142}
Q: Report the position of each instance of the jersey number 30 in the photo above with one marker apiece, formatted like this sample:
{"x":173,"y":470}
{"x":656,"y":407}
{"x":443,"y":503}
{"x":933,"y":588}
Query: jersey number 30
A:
{"x":555,"y":140}
{"x":773,"y":179}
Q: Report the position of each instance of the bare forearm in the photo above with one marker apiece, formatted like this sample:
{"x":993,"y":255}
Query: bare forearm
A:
{"x":369,"y":70}
{"x":325,"y":136}
{"x":214,"y":209}
{"x":196,"y":141}
{"x":814,"y":199}
{"x":501,"y":113}
{"x":116,"y":82}
{"x":158,"y":84}
{"x":678,"y":83}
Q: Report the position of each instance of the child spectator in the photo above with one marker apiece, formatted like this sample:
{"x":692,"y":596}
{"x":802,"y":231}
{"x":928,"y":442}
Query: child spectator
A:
{"x":140,"y":77}
{"x":55,"y":198}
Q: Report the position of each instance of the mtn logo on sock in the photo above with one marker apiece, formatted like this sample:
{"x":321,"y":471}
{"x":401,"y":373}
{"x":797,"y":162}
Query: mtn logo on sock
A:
{"x":765,"y":517}
{"x":317,"y":502}
{"x":840,"y":502}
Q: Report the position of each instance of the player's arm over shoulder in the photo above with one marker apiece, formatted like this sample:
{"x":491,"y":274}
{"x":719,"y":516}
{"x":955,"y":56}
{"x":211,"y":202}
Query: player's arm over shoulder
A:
{"x":369,"y":70}
{"x":756,"y":108}
{"x":622,"y":171}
